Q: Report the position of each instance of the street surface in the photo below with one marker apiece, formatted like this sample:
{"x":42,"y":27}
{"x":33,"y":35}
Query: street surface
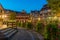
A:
{"x":24,"y":34}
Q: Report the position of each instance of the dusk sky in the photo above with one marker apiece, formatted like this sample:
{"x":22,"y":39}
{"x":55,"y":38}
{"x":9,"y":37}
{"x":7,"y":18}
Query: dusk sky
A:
{"x":19,"y":5}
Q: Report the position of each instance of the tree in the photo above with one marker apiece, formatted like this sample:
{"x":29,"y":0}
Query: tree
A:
{"x":12,"y":16}
{"x":54,"y":5}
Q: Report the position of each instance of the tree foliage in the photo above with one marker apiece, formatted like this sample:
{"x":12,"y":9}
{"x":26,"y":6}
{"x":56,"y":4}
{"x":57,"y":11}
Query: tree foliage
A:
{"x":51,"y":31}
{"x":12,"y":15}
{"x":54,"y":5}
{"x":39,"y":27}
{"x":29,"y":25}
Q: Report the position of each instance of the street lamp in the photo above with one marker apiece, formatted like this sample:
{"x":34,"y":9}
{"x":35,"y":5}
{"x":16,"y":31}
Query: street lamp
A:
{"x":5,"y":16}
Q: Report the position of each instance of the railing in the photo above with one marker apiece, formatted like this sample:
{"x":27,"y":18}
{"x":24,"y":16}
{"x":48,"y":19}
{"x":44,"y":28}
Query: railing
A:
{"x":12,"y":25}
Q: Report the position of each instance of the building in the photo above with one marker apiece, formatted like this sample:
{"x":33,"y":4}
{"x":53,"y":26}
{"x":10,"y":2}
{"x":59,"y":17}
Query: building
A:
{"x":47,"y":15}
{"x":45,"y":11}
{"x":3,"y":17}
{"x":35,"y":17}
{"x":22,"y":16}
{"x":4,"y":13}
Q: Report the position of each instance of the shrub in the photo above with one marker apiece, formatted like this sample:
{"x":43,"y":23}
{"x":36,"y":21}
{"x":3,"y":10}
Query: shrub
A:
{"x":58,"y":34}
{"x":29,"y":25}
{"x":51,"y":31}
{"x":18,"y":24}
{"x":40,"y":27}
{"x":23,"y":24}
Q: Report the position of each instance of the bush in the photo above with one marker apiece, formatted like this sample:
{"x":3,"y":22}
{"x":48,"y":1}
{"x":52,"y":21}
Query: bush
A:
{"x":29,"y":25}
{"x":40,"y":27}
{"x":58,"y":34}
{"x":23,"y":24}
{"x":51,"y":31}
{"x":18,"y":24}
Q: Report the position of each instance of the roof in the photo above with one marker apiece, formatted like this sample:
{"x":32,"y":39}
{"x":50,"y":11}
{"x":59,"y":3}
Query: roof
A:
{"x":45,"y":7}
{"x":1,"y":7}
{"x":35,"y":11}
{"x":22,"y":14}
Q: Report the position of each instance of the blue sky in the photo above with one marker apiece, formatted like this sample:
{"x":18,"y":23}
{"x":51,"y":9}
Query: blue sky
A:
{"x":19,"y":5}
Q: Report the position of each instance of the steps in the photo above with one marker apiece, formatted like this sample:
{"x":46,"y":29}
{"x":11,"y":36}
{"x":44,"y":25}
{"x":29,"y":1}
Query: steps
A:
{"x":8,"y":32}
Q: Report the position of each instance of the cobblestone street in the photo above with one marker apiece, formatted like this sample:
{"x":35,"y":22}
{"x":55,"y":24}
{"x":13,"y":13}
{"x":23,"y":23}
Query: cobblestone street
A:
{"x":26,"y":35}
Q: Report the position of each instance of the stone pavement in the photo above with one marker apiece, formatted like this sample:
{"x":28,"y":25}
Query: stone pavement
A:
{"x":26,"y":35}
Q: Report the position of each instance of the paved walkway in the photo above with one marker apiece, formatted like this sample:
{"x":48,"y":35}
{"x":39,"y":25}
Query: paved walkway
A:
{"x":26,"y":35}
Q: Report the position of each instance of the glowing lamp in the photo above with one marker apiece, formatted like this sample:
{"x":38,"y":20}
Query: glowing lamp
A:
{"x":55,"y":17}
{"x":38,"y":19}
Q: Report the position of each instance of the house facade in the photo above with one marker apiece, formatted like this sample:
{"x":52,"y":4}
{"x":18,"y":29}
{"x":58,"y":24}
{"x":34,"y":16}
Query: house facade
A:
{"x":22,"y":17}
{"x":3,"y":17}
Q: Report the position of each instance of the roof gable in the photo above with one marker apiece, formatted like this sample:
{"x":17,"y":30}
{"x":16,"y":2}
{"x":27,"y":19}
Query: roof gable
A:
{"x":1,"y":8}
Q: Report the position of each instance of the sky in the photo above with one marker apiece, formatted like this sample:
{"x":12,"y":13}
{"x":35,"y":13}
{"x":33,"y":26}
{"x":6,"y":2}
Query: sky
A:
{"x":19,"y":5}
